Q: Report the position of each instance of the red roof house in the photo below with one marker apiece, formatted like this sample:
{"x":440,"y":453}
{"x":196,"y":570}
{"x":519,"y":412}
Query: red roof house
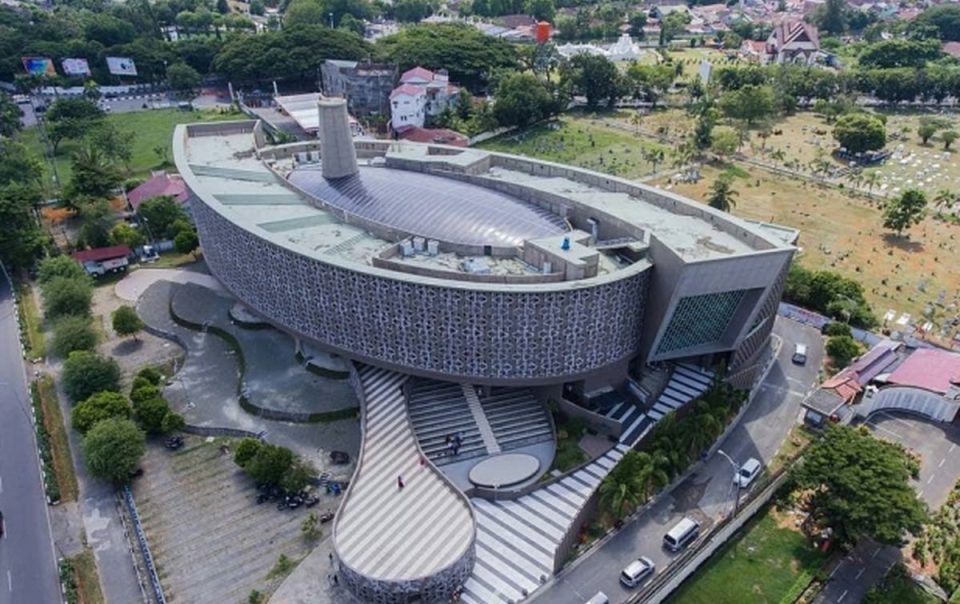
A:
{"x":438,"y":136}
{"x":929,"y":368}
{"x":158,"y":185}
{"x":102,"y":260}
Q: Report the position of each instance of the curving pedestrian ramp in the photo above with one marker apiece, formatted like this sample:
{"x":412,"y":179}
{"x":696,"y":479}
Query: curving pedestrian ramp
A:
{"x":395,"y":544}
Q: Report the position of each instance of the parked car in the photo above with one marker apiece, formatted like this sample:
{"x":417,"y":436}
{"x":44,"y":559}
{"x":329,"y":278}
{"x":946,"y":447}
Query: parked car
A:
{"x":637,"y":571}
{"x":173,"y":443}
{"x":682,"y":534}
{"x":800,"y":355}
{"x":748,"y":472}
{"x":599,"y":598}
{"x":339,"y":457}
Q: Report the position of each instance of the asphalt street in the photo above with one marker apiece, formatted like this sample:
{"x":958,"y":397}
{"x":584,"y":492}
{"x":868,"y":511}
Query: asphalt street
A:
{"x":707,"y":495}
{"x":28,"y":572}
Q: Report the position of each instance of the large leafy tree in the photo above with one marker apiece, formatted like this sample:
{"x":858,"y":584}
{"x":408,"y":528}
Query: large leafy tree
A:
{"x":905,"y":211}
{"x":748,"y":103}
{"x":594,"y":77}
{"x":469,"y":56}
{"x":113,"y":449}
{"x":73,"y":333}
{"x":59,"y":266}
{"x":160,"y":215}
{"x":94,"y":174}
{"x":859,"y":486}
{"x":843,"y":349}
{"x":859,"y":132}
{"x":184,"y":80}
{"x":9,"y":116}
{"x":126,"y":322}
{"x":86,"y":373}
{"x":65,"y":296}
{"x":70,"y":117}
{"x":945,"y":18}
{"x":100,"y":406}
{"x":270,"y":464}
{"x":522,"y":99}
{"x":21,"y":238}
{"x":899,"y":52}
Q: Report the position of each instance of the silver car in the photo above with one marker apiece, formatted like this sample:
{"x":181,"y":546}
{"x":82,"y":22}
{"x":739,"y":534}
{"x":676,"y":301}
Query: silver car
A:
{"x":637,"y":571}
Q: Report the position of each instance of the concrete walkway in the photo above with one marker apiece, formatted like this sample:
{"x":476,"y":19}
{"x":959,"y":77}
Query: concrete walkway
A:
{"x":132,"y":286}
{"x":205,"y":391}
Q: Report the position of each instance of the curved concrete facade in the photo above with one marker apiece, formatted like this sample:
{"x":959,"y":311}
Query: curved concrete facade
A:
{"x":429,"y":327}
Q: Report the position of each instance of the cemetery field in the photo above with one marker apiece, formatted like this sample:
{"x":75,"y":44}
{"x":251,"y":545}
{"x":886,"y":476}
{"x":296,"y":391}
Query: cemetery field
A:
{"x":581,"y":140}
{"x":806,"y":137}
{"x":842,"y":233}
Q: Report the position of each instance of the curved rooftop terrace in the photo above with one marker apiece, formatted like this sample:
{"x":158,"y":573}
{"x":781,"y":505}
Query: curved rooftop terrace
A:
{"x":431,"y":206}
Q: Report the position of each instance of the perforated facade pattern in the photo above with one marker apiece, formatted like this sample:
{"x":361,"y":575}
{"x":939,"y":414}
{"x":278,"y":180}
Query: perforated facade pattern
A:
{"x":493,"y":336}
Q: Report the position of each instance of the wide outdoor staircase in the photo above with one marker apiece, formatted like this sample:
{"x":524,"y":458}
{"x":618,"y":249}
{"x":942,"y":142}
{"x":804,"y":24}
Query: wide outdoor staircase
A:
{"x":686,"y":383}
{"x":517,"y":540}
{"x":516,"y":417}
{"x":438,"y":410}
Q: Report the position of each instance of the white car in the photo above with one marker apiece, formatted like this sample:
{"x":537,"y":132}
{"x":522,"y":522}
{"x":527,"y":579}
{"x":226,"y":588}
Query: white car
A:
{"x":637,"y":571}
{"x":748,"y":473}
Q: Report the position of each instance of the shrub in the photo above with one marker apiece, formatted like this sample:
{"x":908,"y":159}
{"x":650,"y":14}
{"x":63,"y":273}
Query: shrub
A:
{"x":66,"y":296}
{"x":138,"y":383}
{"x":126,"y":322}
{"x":172,"y":422}
{"x":246,"y":450}
{"x":843,"y":349}
{"x":149,"y":414}
{"x":151,"y":374}
{"x":144,"y":393}
{"x":837,"y":328}
{"x":97,"y":408}
{"x":113,"y":449}
{"x":86,"y":373}
{"x":72,"y":333}
{"x":60,"y":266}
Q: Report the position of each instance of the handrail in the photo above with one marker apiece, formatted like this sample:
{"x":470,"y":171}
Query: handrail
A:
{"x":144,"y":546}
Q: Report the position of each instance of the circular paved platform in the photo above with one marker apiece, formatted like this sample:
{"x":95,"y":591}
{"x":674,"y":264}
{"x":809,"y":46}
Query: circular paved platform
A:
{"x":504,"y":470}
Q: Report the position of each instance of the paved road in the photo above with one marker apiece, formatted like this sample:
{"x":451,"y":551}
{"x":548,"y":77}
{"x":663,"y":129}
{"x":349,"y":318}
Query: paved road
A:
{"x":28,"y":570}
{"x":939,"y":470}
{"x":708,"y":494}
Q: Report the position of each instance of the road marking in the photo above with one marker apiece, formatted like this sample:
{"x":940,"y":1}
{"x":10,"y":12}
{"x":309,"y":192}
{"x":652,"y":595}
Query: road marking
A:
{"x":843,"y":595}
{"x":952,"y":447}
{"x":940,"y":465}
{"x":861,"y":572}
{"x":929,"y":480}
{"x":1,"y":484}
{"x":9,"y":581}
{"x":875,"y":553}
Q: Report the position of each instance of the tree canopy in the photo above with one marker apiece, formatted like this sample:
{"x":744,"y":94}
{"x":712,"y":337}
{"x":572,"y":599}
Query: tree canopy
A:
{"x":126,"y":322}
{"x":113,"y":449}
{"x":944,"y":18}
{"x":73,"y":333}
{"x":594,"y":77}
{"x":829,"y":293}
{"x":66,"y":296}
{"x":87,"y":373}
{"x":522,"y":99}
{"x":160,"y":214}
{"x":100,"y":406}
{"x":905,"y":211}
{"x":469,"y":56}
{"x":748,"y":103}
{"x":859,"y":132}
{"x":859,"y":486}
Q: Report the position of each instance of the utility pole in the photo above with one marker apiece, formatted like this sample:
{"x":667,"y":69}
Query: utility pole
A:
{"x":736,"y":480}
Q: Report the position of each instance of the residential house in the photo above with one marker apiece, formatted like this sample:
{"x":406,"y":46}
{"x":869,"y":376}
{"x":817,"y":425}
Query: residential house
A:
{"x":365,"y":85}
{"x":421,"y":95}
{"x":159,"y":185}
{"x":793,"y":41}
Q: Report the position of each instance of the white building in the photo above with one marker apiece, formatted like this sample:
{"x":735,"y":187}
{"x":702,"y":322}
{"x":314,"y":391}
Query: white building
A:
{"x":793,"y":41}
{"x":420,"y":95}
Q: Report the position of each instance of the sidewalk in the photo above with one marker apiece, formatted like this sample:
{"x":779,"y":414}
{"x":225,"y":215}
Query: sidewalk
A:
{"x":312,"y":581}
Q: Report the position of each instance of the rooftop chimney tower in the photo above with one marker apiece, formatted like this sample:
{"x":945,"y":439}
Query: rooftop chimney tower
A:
{"x":338,"y":158}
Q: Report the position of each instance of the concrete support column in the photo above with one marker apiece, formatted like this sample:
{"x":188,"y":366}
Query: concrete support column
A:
{"x":338,"y":158}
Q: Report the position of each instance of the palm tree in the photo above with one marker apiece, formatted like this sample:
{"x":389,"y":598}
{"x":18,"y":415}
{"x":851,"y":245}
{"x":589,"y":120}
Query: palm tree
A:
{"x":637,"y":120}
{"x":624,"y":488}
{"x":722,"y":196}
{"x":871,"y":178}
{"x":945,"y":199}
{"x":706,"y":427}
{"x":778,"y":155}
{"x":855,"y":176}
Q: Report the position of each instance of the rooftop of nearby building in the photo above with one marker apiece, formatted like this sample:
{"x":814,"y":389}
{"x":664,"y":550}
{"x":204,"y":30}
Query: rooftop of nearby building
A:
{"x":929,"y":368}
{"x":99,"y":254}
{"x":159,"y":185}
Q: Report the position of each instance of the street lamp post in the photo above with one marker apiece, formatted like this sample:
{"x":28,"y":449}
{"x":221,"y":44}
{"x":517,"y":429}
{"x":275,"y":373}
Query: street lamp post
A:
{"x":736,"y":480}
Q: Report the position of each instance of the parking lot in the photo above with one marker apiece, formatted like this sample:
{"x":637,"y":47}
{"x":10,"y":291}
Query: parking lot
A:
{"x":211,"y":542}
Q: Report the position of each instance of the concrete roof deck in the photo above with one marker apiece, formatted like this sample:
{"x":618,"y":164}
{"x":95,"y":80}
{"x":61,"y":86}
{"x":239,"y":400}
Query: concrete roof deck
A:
{"x":224,"y":168}
{"x":691,"y":237}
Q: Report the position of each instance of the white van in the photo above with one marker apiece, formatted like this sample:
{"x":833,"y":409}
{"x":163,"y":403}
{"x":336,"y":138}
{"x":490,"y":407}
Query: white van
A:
{"x":682,"y":534}
{"x":599,"y":598}
{"x":800,"y":354}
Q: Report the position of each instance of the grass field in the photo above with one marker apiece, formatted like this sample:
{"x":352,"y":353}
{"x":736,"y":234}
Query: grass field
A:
{"x":767,"y":564}
{"x":59,"y":446}
{"x":843,"y":233}
{"x":149,"y":129}
{"x":88,"y":581}
{"x":581,"y":140}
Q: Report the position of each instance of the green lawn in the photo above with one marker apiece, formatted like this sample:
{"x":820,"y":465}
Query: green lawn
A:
{"x":765,"y":565}
{"x":149,"y":129}
{"x":581,"y":141}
